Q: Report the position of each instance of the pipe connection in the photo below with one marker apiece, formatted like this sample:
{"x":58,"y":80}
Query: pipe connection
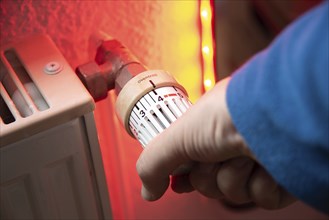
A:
{"x":113,"y":67}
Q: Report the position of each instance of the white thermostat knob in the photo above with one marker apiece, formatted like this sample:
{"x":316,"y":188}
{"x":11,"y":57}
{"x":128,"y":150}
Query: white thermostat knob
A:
{"x":149,"y":103}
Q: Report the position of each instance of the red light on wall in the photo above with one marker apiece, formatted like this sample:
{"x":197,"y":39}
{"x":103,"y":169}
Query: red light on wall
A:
{"x":207,"y":45}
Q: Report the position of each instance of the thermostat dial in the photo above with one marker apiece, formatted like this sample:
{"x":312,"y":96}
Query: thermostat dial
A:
{"x":155,"y":111}
{"x":149,"y":103}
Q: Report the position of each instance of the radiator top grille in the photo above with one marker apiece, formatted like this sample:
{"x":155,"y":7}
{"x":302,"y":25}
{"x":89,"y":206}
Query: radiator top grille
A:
{"x":38,"y":89}
{"x":19,"y":94}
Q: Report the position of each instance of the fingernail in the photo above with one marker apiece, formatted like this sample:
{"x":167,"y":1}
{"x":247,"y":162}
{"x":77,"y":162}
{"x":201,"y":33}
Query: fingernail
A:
{"x":146,"y":194}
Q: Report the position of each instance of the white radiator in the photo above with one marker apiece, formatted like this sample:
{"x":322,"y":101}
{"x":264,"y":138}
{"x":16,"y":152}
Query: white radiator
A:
{"x":50,"y":160}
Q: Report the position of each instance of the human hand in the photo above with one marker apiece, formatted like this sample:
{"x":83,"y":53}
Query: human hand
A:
{"x":223,"y":166}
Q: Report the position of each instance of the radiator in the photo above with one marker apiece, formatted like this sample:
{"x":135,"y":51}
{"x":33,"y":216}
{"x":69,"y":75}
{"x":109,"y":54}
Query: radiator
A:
{"x":50,"y":160}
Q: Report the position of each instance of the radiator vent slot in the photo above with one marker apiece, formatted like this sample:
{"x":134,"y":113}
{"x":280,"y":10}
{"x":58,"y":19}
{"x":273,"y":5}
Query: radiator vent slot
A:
{"x":12,"y":94}
{"x":5,"y":114}
{"x":19,"y":94}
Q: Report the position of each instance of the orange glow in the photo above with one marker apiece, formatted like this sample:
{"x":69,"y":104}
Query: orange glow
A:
{"x":207,"y":45}
{"x":206,"y":50}
{"x":208,"y":83}
{"x":204,"y":13}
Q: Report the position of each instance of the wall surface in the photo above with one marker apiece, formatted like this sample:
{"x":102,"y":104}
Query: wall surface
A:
{"x":163,"y":34}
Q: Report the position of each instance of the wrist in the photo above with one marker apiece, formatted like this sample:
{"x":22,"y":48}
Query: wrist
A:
{"x":229,"y":133}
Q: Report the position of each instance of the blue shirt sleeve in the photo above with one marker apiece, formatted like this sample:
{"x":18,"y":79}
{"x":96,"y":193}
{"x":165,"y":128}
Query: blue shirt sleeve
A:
{"x":279,"y":102}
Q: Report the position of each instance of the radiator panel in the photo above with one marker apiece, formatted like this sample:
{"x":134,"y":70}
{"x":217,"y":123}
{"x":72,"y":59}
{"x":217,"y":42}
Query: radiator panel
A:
{"x":49,"y":172}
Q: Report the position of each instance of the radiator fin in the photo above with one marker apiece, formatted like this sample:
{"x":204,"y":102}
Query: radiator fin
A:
{"x":12,"y":96}
{"x":26,"y":80}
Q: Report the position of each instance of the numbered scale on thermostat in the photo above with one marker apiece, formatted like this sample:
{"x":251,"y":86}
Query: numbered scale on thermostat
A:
{"x":155,"y":111}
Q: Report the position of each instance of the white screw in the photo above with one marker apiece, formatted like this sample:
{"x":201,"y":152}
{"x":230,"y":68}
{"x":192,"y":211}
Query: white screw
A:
{"x":53,"y":67}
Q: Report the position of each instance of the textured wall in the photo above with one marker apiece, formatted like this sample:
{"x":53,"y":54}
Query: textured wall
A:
{"x":156,"y":31}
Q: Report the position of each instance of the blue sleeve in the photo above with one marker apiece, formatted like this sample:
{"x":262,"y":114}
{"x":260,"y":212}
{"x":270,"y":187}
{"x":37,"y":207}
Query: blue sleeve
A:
{"x":279,"y":102}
